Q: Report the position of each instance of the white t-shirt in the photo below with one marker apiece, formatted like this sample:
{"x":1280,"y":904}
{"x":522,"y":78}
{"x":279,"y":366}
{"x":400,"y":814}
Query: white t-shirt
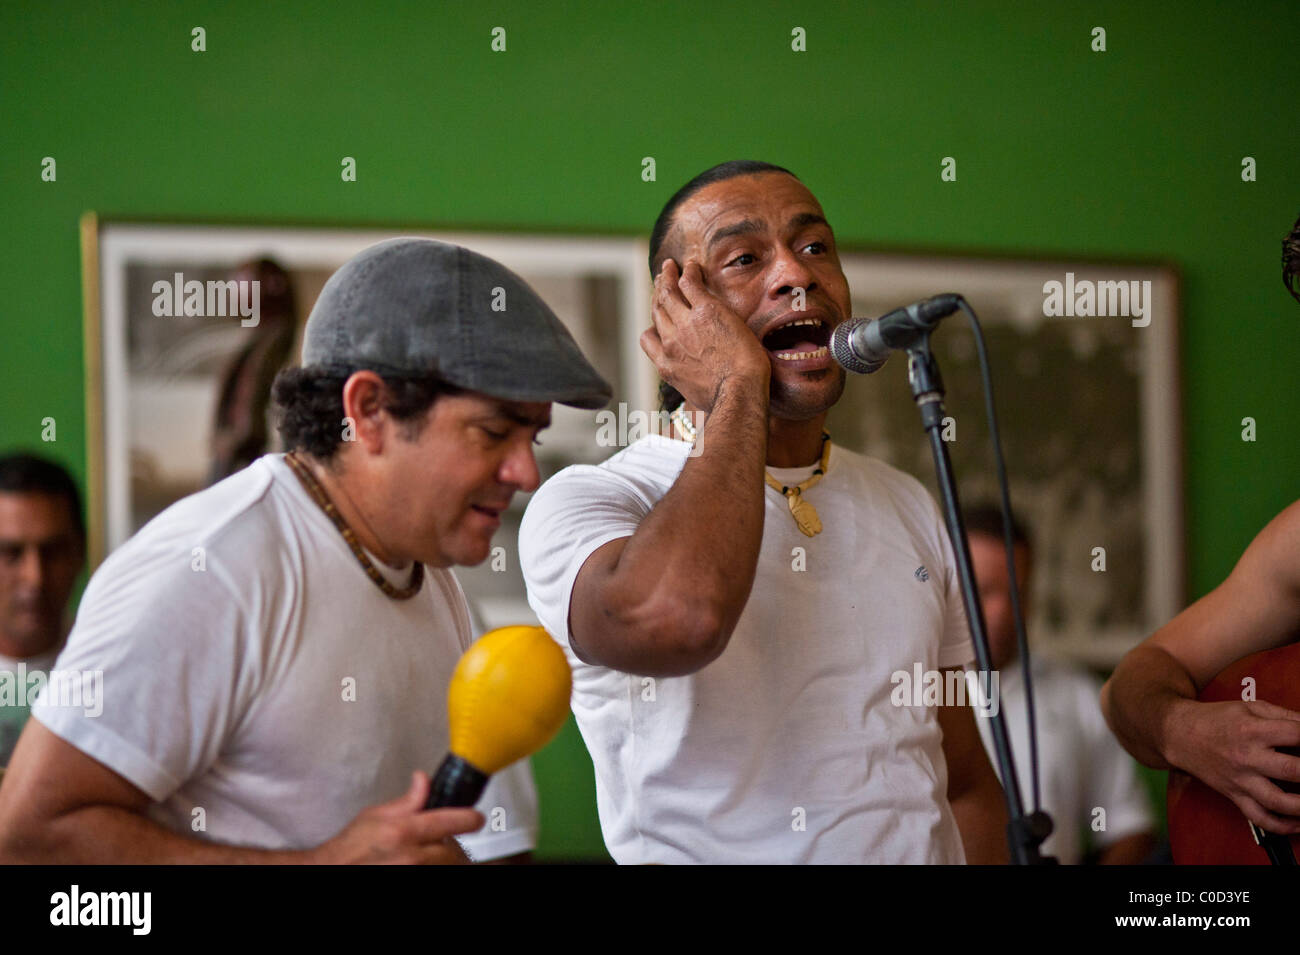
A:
{"x":18,"y":690}
{"x":786,"y":748}
{"x":1083,"y":766}
{"x":252,"y":670}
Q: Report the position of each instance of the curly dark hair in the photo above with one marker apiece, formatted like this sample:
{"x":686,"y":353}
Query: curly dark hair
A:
{"x":309,"y":406}
{"x":1291,"y":261}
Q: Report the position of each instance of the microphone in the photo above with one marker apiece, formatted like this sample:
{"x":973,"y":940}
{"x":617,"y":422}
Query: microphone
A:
{"x":509,"y":696}
{"x":862,"y":345}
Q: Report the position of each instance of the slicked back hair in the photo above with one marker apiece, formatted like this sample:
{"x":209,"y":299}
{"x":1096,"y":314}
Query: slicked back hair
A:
{"x":718,"y":173}
{"x":669,"y":397}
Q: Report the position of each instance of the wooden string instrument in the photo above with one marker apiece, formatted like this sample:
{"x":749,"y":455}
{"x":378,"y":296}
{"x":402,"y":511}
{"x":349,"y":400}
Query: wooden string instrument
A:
{"x":1206,"y":827}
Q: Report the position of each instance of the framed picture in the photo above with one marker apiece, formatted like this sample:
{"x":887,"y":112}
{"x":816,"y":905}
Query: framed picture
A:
{"x":1084,"y":360}
{"x":157,"y":376}
{"x":1088,"y":399}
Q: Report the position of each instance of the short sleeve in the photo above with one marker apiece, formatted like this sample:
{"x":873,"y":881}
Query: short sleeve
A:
{"x":573,"y":514}
{"x":153,"y":678}
{"x":956,"y":648}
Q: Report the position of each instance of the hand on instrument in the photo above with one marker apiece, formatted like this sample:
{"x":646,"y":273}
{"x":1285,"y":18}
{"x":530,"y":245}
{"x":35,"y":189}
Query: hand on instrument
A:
{"x":696,"y":342}
{"x":1231,"y":747}
{"x":402,"y":832}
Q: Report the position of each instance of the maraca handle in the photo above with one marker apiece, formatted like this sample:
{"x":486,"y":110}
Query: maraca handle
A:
{"x":457,"y":783}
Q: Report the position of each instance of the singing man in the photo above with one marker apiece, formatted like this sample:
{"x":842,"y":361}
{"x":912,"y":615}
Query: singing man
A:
{"x":736,"y":598}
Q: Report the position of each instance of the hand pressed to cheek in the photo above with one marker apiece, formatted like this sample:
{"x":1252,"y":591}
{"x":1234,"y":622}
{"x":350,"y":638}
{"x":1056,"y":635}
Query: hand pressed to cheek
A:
{"x":696,"y":342}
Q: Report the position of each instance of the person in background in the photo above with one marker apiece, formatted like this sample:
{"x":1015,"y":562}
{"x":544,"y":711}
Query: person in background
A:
{"x":734,"y":600}
{"x":275,"y":651}
{"x":1235,"y":747}
{"x":1089,"y":784}
{"x":42,"y":550}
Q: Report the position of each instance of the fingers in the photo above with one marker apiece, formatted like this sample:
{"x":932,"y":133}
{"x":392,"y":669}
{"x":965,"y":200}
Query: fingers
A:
{"x":667,"y":298}
{"x":681,"y":294}
{"x":696,"y":341}
{"x":1277,"y":765}
{"x":415,"y":796}
{"x":1265,"y":819}
{"x":703,"y":302}
{"x":1251,"y":763}
{"x":403,"y":831}
{"x":691,"y":284}
{"x":653,"y":346}
{"x":427,"y":837}
{"x":1273,"y":712}
{"x":1265,"y":730}
{"x":682,"y":304}
{"x":438,"y":824}
{"x":668,"y":303}
{"x":1272,"y":798}
{"x":668,"y":282}
{"x":661,"y":323}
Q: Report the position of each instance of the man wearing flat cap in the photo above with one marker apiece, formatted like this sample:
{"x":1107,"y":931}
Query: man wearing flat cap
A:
{"x":275,"y":650}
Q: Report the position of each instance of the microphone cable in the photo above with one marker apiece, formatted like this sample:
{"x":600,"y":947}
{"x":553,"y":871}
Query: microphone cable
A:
{"x":1022,"y":641}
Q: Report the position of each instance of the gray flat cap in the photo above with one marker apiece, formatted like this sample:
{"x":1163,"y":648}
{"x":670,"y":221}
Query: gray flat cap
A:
{"x":421,"y":307}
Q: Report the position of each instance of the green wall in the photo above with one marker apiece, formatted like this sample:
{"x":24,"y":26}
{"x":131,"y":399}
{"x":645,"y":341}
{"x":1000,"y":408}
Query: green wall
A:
{"x":1134,"y":152}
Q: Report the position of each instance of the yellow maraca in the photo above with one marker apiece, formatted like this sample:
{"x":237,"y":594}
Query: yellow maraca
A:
{"x":509,"y":696}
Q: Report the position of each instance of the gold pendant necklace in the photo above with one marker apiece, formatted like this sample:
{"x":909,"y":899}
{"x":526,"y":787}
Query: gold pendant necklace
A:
{"x":804,"y":514}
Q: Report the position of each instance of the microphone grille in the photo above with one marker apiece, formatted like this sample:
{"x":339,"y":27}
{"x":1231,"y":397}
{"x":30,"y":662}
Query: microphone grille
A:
{"x":842,"y":350}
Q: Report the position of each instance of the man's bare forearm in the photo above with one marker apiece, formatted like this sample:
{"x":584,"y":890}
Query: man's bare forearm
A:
{"x":982,"y":821}
{"x":1142,"y":701}
{"x":699,"y":546}
{"x":112,"y":835}
{"x":974,"y":792}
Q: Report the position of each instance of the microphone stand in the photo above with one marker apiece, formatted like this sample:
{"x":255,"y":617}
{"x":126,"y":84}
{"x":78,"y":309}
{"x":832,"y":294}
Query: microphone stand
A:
{"x":1024,"y":833}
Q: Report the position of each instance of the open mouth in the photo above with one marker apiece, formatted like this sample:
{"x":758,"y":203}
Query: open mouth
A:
{"x":799,"y":340}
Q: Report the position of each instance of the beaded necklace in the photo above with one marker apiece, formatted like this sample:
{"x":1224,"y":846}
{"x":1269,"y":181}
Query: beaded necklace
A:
{"x":804,"y":514}
{"x":322,"y":499}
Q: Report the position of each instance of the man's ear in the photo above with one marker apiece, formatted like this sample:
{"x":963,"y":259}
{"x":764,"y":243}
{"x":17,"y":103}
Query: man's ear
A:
{"x":365,"y":417}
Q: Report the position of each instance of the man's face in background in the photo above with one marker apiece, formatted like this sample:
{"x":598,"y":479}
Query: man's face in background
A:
{"x":989,"y":561}
{"x":41,"y":554}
